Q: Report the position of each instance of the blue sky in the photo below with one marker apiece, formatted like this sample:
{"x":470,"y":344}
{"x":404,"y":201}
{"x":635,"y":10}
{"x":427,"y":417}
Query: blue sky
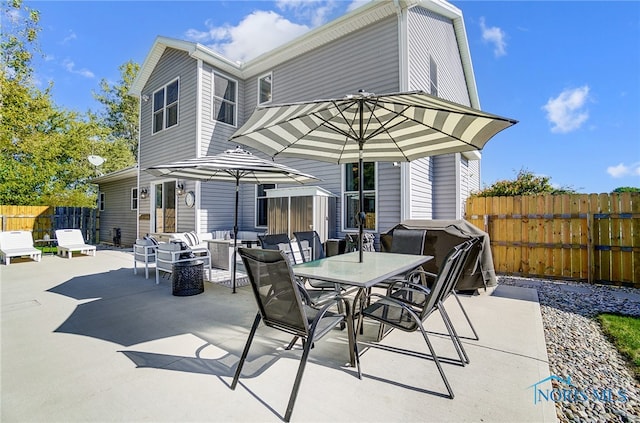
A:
{"x":568,"y":71}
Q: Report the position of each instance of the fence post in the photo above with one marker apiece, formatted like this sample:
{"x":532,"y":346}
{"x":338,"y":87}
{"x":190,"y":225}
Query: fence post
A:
{"x":590,"y":252}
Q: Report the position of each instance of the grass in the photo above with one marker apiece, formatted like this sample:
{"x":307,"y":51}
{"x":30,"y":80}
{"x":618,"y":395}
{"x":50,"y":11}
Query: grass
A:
{"x":624,"y":333}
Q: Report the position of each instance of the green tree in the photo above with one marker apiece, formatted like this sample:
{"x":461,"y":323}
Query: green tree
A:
{"x":626,"y":189}
{"x":526,"y":183}
{"x":121,"y":110}
{"x":44,"y":149}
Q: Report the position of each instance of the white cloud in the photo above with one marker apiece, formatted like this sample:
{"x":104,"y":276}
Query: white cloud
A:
{"x":495,"y":36}
{"x":316,"y":12}
{"x":239,"y":42}
{"x":622,"y":170}
{"x":72,"y":36}
{"x":566,"y":111}
{"x":70,"y":66}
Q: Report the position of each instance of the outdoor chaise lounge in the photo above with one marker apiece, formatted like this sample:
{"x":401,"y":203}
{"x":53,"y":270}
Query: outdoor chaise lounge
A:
{"x":17,"y":244}
{"x":71,"y":240}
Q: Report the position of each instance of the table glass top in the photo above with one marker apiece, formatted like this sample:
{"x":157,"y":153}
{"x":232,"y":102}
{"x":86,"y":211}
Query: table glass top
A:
{"x":346,"y":268}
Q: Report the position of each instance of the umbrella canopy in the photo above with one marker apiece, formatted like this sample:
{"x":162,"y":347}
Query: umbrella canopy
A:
{"x":238,"y":166}
{"x":390,"y":127}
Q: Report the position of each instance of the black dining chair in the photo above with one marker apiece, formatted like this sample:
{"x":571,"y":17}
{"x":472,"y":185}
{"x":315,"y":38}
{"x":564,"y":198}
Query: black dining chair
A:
{"x":409,"y":306}
{"x":311,"y":249}
{"x":281,"y":307}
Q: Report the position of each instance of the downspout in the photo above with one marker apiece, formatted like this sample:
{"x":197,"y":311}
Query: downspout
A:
{"x":403,"y":72}
{"x":458,"y":158}
{"x":198,"y":142}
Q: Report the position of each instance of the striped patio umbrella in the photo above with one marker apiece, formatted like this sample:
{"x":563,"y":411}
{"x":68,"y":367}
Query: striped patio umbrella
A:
{"x":238,"y":166}
{"x":366,"y":127}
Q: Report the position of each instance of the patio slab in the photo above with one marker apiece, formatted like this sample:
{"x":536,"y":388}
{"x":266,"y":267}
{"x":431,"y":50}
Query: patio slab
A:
{"x":84,"y":339}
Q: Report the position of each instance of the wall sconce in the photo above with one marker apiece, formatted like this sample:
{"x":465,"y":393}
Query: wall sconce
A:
{"x":145,"y":98}
{"x":144,"y":193}
{"x":180,"y":188}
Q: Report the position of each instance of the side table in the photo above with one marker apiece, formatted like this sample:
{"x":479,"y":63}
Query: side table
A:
{"x":187,"y":278}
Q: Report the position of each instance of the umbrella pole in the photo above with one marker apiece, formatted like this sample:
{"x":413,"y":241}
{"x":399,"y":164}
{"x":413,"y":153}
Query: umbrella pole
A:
{"x":235,"y":240}
{"x":361,"y":214}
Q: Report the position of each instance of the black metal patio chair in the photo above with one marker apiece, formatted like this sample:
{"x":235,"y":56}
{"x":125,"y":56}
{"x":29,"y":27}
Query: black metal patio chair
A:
{"x":311,"y":249}
{"x":281,"y":307}
{"x":401,"y":310}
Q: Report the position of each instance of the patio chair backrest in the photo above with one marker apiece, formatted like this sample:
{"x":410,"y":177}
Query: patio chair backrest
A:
{"x":69,"y":237}
{"x":468,"y":252}
{"x":275,"y":290}
{"x":408,"y":241}
{"x":311,"y":240}
{"x":16,"y":240}
{"x":448,"y":271}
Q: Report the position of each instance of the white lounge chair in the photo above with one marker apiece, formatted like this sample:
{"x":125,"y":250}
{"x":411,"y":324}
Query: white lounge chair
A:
{"x":18,"y":244}
{"x":70,"y":240}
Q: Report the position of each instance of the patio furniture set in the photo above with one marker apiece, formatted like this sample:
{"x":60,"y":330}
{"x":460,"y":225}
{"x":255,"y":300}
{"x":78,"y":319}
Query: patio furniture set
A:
{"x":285,"y":279}
{"x":21,"y":244}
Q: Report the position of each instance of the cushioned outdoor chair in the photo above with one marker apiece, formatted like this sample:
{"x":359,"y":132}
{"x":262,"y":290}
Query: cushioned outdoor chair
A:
{"x":399,"y":311}
{"x":281,"y":307}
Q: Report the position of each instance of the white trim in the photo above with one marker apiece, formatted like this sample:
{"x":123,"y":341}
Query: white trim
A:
{"x":405,"y":191}
{"x":137,"y":198}
{"x":260,"y":78}
{"x":164,"y":107}
{"x":213,"y":97}
{"x":199,"y":77}
{"x":458,"y":170}
{"x":343,"y":192}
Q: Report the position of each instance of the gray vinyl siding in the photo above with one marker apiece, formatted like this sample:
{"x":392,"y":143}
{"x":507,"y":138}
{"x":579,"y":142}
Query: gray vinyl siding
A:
{"x":366,"y":59}
{"x":469,"y":180}
{"x":117,"y":211}
{"x":431,"y":37}
{"x":421,"y":188}
{"x":177,"y":142}
{"x":444,"y":192}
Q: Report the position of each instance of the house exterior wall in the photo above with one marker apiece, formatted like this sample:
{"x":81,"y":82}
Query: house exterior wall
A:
{"x":370,"y":58}
{"x":435,"y":67}
{"x":366,"y":59}
{"x":175,"y":143}
{"x":117,"y":211}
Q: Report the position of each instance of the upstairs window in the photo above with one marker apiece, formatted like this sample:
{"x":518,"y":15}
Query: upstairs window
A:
{"x":264,"y":89}
{"x":165,"y":107}
{"x":101,"y":201}
{"x":224,"y":99}
{"x":351,"y":196}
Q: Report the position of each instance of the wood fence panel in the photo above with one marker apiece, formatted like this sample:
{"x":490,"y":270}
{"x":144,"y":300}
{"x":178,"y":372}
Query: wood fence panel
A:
{"x":44,"y":220}
{"x":587,"y":237}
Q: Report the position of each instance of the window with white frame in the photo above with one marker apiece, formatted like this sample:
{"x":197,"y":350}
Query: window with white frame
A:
{"x":134,"y":198}
{"x":165,"y":107}
{"x":351,"y":195}
{"x":101,"y":201}
{"x":262,"y":203}
{"x":224,"y":99}
{"x":264,"y":89}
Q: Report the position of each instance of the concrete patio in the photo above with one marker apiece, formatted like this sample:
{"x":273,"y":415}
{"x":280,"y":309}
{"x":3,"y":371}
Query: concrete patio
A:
{"x":84,"y":339}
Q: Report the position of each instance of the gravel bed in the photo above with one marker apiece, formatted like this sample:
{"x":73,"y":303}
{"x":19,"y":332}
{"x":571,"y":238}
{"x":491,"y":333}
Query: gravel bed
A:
{"x":578,"y":349}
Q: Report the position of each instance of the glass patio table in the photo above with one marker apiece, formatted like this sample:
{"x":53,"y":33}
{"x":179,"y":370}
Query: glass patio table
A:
{"x":346,"y":269}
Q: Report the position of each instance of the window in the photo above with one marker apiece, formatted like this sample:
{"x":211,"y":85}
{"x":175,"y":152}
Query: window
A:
{"x":101,"y":201}
{"x":351,"y":195}
{"x":165,"y":107}
{"x":224,"y":99}
{"x":261,"y":203}
{"x":264,"y":89}
{"x":134,"y":198}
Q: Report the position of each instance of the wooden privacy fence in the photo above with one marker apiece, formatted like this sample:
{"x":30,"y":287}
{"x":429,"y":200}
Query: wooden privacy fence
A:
{"x":584,"y":237}
{"x":43,"y":220}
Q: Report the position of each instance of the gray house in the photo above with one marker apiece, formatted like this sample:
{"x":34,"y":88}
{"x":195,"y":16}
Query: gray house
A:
{"x":193,"y":99}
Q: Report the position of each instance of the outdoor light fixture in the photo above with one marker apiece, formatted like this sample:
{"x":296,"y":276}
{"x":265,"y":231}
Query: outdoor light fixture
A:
{"x":145,"y":98}
{"x":144,"y":193}
{"x":180,"y":188}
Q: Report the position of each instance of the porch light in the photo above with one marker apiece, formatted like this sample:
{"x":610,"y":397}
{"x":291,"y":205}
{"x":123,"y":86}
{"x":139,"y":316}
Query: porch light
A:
{"x":180,"y":188}
{"x":144,"y":193}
